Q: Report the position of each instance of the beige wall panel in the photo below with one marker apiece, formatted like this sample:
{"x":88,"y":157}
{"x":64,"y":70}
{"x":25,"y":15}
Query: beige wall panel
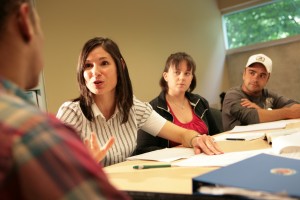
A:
{"x":146,"y":31}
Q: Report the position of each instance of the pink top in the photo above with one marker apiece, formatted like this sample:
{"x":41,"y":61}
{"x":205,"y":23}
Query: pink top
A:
{"x":196,"y":124}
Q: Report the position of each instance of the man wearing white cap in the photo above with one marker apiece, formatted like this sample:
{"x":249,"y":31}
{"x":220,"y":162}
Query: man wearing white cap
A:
{"x":251,"y":103}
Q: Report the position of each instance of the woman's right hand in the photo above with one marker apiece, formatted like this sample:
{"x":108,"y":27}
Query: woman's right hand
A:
{"x":98,"y":152}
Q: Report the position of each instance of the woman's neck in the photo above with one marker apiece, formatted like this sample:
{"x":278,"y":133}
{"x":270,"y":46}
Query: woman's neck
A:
{"x":106,"y":104}
{"x":179,"y":97}
{"x":178,"y":100}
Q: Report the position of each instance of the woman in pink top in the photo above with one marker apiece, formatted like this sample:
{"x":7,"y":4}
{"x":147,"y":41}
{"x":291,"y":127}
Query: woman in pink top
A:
{"x":178,"y":104}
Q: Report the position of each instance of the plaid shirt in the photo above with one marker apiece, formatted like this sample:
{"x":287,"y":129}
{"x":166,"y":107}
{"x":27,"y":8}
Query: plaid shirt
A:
{"x":41,"y":158}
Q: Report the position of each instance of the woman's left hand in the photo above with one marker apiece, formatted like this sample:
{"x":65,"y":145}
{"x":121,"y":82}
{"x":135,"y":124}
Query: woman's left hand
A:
{"x":97,"y":151}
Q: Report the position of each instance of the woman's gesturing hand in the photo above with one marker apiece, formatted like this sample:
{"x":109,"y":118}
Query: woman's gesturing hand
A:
{"x":95,"y":149}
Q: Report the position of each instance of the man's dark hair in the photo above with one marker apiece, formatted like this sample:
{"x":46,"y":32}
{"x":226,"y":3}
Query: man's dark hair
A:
{"x":7,"y":8}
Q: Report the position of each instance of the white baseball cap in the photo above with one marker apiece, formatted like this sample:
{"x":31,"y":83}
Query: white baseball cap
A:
{"x":261,"y":58}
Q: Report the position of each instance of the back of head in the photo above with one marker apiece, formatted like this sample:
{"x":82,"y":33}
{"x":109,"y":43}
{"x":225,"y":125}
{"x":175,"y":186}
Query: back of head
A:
{"x":21,"y":37}
{"x":7,"y":8}
{"x":174,"y":60}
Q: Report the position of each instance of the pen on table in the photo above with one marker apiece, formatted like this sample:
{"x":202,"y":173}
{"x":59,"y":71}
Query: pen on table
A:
{"x":150,"y":166}
{"x":237,"y":139}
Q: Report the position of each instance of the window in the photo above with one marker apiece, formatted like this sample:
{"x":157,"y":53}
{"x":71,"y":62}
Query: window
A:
{"x":272,"y":21}
{"x":37,"y":94}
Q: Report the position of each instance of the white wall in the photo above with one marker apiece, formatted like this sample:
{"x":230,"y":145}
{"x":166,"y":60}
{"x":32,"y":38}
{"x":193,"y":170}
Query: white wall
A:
{"x":147,"y":32}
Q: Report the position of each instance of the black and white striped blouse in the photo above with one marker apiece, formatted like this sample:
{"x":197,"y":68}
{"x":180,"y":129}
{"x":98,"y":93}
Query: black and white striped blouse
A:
{"x":141,"y":116}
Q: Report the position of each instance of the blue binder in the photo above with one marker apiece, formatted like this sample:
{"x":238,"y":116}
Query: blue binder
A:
{"x":263,"y":172}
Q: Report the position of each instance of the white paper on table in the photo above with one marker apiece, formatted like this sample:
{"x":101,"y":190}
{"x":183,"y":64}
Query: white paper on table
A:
{"x":290,"y":121}
{"x":243,"y":136}
{"x":287,"y":144}
{"x":260,"y":126}
{"x":203,"y":160}
{"x":165,"y":155}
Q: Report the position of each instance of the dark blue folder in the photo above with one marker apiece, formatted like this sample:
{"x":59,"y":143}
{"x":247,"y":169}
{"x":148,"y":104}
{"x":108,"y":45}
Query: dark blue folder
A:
{"x":263,"y":172}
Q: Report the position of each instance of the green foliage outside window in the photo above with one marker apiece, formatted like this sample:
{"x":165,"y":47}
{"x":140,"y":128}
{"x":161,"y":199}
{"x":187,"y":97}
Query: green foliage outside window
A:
{"x":272,"y":21}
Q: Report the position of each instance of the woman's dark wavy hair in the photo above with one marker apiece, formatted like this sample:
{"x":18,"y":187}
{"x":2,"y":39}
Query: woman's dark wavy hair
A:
{"x":174,"y":60}
{"x":124,"y":92}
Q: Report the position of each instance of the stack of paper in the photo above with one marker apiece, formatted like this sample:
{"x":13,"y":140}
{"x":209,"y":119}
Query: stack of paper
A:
{"x":273,"y":134}
{"x":287,"y":145}
{"x":260,"y":126}
{"x":264,"y":126}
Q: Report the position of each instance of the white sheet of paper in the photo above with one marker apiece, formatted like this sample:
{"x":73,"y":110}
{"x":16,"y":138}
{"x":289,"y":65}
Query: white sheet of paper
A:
{"x":286,"y":143}
{"x":260,"y":126}
{"x":165,"y":155}
{"x":264,"y":126}
{"x":203,"y":160}
{"x":245,"y":136}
